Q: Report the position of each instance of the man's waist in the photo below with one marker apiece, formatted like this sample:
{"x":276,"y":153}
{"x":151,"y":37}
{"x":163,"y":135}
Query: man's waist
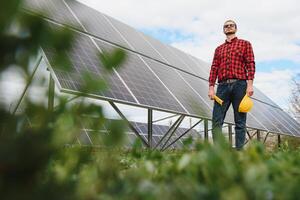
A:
{"x":230,"y":80}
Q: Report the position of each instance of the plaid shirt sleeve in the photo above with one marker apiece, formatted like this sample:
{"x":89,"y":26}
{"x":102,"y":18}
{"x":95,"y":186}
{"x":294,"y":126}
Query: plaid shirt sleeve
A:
{"x":214,"y":69}
{"x":249,"y":60}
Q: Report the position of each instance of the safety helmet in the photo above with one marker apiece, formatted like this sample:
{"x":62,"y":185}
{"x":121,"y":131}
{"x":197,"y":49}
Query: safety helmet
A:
{"x":246,"y":104}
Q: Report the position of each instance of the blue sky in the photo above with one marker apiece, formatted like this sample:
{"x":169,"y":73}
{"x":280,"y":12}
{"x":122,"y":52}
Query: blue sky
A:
{"x":168,"y":36}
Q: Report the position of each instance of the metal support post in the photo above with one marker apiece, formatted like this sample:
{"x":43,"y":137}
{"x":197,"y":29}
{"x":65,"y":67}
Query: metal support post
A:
{"x":51,"y":94}
{"x":129,"y":124}
{"x":28,"y":84}
{"x":258,"y":135}
{"x":206,"y":129}
{"x":279,"y":140}
{"x":150,"y":122}
{"x":230,"y":134}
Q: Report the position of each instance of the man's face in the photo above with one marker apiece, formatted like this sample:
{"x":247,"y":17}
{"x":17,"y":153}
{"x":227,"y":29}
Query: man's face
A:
{"x":229,"y":28}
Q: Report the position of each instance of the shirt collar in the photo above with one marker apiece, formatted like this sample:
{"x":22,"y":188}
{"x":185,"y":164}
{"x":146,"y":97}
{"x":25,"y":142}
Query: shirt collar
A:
{"x":232,"y":40}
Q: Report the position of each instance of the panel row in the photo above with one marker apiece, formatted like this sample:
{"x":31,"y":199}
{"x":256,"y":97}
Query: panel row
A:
{"x":149,"y":83}
{"x":78,"y":15}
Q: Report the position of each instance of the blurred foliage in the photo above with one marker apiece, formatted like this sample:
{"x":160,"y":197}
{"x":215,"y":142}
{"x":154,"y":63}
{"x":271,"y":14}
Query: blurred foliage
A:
{"x":35,"y":163}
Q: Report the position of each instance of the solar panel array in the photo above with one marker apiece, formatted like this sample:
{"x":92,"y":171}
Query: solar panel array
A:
{"x":155,"y":75}
{"x":91,"y":137}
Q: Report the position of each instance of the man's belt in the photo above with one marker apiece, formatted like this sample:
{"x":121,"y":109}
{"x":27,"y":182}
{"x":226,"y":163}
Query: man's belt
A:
{"x":232,"y":80}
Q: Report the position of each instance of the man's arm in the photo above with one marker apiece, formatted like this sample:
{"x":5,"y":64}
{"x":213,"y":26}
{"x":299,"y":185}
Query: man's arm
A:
{"x":250,"y":67}
{"x":213,"y":75}
{"x":249,"y":88}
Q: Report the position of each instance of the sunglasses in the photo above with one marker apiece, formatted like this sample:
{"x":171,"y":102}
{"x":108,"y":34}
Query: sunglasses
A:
{"x":229,"y":25}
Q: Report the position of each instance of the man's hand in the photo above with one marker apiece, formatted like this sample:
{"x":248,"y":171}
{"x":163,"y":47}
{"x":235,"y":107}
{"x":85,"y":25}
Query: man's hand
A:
{"x":211,"y":92}
{"x":249,"y":90}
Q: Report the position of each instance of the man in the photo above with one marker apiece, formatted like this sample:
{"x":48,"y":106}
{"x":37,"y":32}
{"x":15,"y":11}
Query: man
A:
{"x":234,"y":67}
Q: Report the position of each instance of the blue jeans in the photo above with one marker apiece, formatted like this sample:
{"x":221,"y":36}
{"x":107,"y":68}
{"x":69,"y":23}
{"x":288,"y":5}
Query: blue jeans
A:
{"x":230,"y":93}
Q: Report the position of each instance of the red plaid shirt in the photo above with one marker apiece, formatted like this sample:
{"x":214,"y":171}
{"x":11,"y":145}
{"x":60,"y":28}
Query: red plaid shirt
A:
{"x":233,"y":60}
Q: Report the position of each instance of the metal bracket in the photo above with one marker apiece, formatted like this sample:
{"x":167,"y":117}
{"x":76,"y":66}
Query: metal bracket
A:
{"x":174,"y":130}
{"x":129,"y":124}
{"x":266,"y":137}
{"x":183,"y":134}
{"x":158,"y":120}
{"x":170,"y":129}
{"x":27,"y":85}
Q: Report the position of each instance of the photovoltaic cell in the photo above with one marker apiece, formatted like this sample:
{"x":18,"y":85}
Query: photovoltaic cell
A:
{"x":145,"y":86}
{"x":135,"y":39}
{"x":96,"y":23}
{"x":262,"y":97}
{"x":275,"y":120}
{"x":167,"y":54}
{"x":201,"y":87}
{"x":189,"y":99}
{"x":193,"y":66}
{"x":54,"y":9}
{"x":290,"y":120}
{"x":84,"y":58}
{"x":203,"y":68}
{"x":260,"y":113}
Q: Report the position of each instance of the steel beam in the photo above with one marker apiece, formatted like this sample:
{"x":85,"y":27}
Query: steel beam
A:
{"x":28,"y":84}
{"x":172,"y":133}
{"x":206,"y":129}
{"x":183,"y":134}
{"x":129,"y":124}
{"x":164,"y":118}
{"x":170,"y":129}
{"x":266,"y":137}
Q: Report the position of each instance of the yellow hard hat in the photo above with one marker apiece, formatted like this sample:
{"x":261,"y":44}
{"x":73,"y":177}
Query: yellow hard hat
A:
{"x":246,"y":104}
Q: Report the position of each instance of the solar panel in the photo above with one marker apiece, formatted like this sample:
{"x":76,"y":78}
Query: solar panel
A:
{"x":260,"y":111}
{"x":195,"y":67}
{"x":84,"y":57}
{"x":97,"y":24}
{"x":290,"y":121}
{"x":154,"y":76}
{"x":90,"y":137}
{"x":143,"y":83}
{"x":204,"y":67}
{"x":54,"y":9}
{"x":191,"y":101}
{"x":136,"y":39}
{"x":263,"y":98}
